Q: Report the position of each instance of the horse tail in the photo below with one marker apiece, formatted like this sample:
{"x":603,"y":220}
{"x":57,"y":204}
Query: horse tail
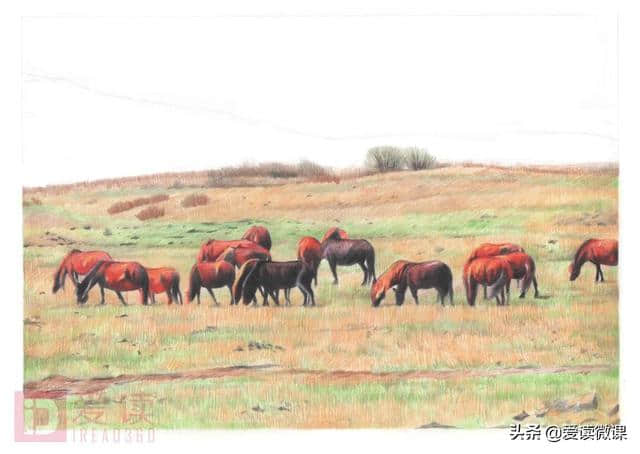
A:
{"x":449,"y":277}
{"x":371,"y":265}
{"x":89,"y":281}
{"x":240,"y":288}
{"x":195,"y":282}
{"x":497,"y":285}
{"x":60,"y":276}
{"x":529,"y":275}
{"x":144,"y":284}
{"x":175,"y":288}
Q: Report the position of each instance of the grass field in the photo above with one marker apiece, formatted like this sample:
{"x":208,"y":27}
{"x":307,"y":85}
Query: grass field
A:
{"x":343,"y":363}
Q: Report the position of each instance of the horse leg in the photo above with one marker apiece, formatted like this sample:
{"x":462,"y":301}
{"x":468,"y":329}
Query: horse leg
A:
{"x":169,"y":298}
{"x":599,"y":273}
{"x":151,"y":295}
{"x":230,"y":286}
{"x":366,"y":273}
{"x":485,"y":290}
{"x":213,"y":295}
{"x":332,"y":266}
{"x":101,"y":294}
{"x":121,"y":298}
{"x":414,"y":293}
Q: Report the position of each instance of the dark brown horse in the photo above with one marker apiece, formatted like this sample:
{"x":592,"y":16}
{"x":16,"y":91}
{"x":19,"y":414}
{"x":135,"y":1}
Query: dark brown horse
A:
{"x":77,"y":263}
{"x":210,"y":275}
{"x":259,"y":235}
{"x":310,"y":252}
{"x":116,"y":276}
{"x":164,"y":280}
{"x":404,"y":274}
{"x":493,"y":272}
{"x":211,"y":250}
{"x":598,"y":252}
{"x":523,"y":267}
{"x":237,"y":256}
{"x":273,"y":276}
{"x":342,"y":252}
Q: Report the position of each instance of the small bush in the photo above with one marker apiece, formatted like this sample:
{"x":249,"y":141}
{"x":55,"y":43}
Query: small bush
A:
{"x":151,"y":212}
{"x":194,"y":200}
{"x":385,"y":159}
{"x":126,"y":205}
{"x":418,"y":159}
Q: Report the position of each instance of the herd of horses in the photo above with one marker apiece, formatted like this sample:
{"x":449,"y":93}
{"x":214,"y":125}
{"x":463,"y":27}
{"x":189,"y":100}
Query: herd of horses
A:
{"x":246,"y":268}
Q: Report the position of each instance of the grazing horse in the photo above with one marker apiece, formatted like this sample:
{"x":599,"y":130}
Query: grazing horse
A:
{"x":598,"y":252}
{"x":349,"y":252}
{"x":310,"y":252}
{"x":523,"y":267}
{"x":259,"y":235}
{"x":76,"y":263}
{"x":164,"y":280}
{"x":336,"y":233}
{"x":237,"y":256}
{"x":273,"y":276}
{"x":494,"y":272}
{"x":211,"y":250}
{"x":210,"y":275}
{"x":424,"y":275}
{"x":116,"y":276}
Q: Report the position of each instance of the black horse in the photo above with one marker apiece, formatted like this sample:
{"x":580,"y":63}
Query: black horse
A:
{"x":346,"y":252}
{"x":273,"y":276}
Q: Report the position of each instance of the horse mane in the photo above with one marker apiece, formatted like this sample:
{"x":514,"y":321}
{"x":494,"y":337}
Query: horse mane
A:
{"x":89,"y":278}
{"x":581,"y":249}
{"x":73,"y":251}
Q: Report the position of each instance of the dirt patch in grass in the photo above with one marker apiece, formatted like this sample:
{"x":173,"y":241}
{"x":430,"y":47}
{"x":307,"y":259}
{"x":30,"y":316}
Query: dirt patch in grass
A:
{"x":57,"y":386}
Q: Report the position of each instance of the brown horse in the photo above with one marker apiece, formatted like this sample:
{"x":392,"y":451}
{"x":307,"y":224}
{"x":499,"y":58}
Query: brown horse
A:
{"x":494,"y":272}
{"x":116,"y":276}
{"x":164,"y":280}
{"x":77,"y":263}
{"x":259,"y":235}
{"x":424,"y":275}
{"x":237,"y":256}
{"x":523,"y":267}
{"x":210,"y":275}
{"x":273,"y":276}
{"x":211,"y":250}
{"x":598,"y":252}
{"x":336,"y":233}
{"x":342,"y":252}
{"x":491,"y":250}
{"x":310,"y":252}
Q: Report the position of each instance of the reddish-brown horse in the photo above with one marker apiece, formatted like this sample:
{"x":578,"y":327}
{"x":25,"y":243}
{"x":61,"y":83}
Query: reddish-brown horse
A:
{"x":336,"y":233}
{"x":493,"y":272}
{"x":164,"y":280}
{"x":310,"y":252}
{"x":598,"y":252}
{"x":210,"y":275}
{"x":259,"y":235}
{"x":211,"y":250}
{"x":237,"y":256}
{"x":404,"y":274}
{"x":523,"y":267}
{"x":493,"y":249}
{"x":116,"y":276}
{"x":77,"y":263}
